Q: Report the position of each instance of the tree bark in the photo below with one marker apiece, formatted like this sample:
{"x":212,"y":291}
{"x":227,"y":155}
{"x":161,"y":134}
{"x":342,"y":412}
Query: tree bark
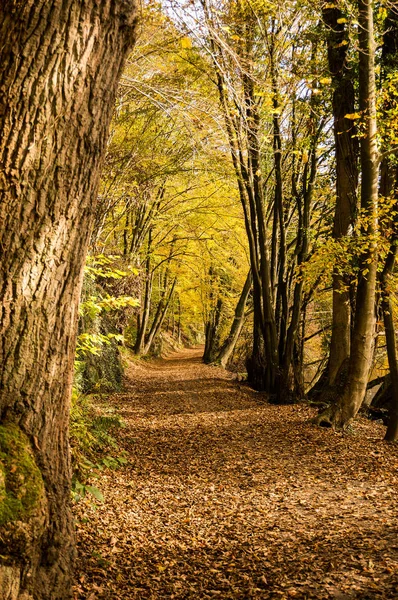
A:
{"x":389,"y":328}
{"x":60,"y":64}
{"x":243,"y":133}
{"x":389,"y":189}
{"x":346,"y":154}
{"x":229,"y":344}
{"x":361,"y":354}
{"x":159,"y":319}
{"x":142,"y":322}
{"x":212,"y":332}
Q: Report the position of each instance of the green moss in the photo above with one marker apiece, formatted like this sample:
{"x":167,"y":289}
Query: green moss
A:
{"x":21,"y":483}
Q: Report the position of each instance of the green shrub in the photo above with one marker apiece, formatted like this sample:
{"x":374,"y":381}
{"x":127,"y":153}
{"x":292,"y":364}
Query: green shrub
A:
{"x":92,"y":428}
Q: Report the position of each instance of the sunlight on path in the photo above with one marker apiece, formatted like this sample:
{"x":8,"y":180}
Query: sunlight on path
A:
{"x":227,"y":497}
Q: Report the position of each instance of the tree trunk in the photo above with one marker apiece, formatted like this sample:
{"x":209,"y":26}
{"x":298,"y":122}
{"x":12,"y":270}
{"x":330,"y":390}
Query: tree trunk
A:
{"x":278,"y":262}
{"x":361,"y":355}
{"x":142,"y":322}
{"x":179,"y":328}
{"x":389,"y":189}
{"x":60,"y":63}
{"x":389,"y":327}
{"x":262,"y":365}
{"x":159,"y":319}
{"x":229,"y":345}
{"x":346,"y":153}
{"x":212,"y":332}
{"x":288,"y":379}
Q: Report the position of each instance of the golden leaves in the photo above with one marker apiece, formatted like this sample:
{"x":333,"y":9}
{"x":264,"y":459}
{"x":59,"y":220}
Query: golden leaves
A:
{"x":186,"y":43}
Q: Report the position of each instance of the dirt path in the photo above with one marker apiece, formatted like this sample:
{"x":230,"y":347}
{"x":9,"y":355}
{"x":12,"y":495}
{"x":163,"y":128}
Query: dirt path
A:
{"x":227,"y":497}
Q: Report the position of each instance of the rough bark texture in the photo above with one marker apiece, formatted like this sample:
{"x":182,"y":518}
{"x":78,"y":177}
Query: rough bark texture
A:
{"x":362,"y":341}
{"x":346,"y":154}
{"x":60,"y":63}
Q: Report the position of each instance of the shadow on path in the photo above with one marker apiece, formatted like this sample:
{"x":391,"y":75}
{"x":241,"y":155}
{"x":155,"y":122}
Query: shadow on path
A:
{"x":225,"y":496}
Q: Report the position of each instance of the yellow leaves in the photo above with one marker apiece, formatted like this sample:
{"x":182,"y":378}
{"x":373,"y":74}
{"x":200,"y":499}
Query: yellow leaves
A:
{"x":342,"y":20}
{"x":186,"y":43}
{"x":382,"y":12}
{"x":352,"y":116}
{"x":343,"y":43}
{"x":325,"y":80}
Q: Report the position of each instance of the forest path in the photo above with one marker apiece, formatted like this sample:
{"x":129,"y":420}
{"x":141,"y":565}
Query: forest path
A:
{"x":227,"y":497}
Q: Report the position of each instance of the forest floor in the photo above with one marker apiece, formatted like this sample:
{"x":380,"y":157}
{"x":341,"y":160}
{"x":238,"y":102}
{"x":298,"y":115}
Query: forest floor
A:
{"x":224,"y":496}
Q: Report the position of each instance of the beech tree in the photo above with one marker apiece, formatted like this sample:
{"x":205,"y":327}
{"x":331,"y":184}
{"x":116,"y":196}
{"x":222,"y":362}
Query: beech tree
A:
{"x":361,"y":353}
{"x":60,"y":67}
{"x":230,"y":341}
{"x":389,"y":191}
{"x":275,"y":124}
{"x":346,"y":158}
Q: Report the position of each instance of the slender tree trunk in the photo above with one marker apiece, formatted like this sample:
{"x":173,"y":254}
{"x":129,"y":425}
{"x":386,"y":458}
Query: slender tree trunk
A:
{"x":228,"y":346}
{"x":282,"y":301}
{"x":389,"y":189}
{"x":287,"y":384}
{"x":346,"y":154}
{"x":360,"y":361}
{"x":255,"y":192}
{"x":163,"y":304}
{"x":179,"y":331}
{"x":125,"y":232}
{"x":212,"y":333}
{"x":144,"y":315}
{"x":243,"y":137}
{"x":389,"y":328}
{"x":60,"y":63}
{"x":159,"y":319}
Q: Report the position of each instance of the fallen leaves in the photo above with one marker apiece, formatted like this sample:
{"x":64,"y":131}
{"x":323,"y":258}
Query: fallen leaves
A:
{"x":225,"y":496}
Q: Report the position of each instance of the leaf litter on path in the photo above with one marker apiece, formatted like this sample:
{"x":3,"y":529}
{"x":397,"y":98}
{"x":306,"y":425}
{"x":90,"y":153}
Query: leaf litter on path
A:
{"x":225,"y":496}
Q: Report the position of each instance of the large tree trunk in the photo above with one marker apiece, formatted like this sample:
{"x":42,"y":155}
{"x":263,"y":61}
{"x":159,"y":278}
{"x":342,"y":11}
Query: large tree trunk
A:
{"x":60,"y":63}
{"x":361,"y":354}
{"x":346,"y":153}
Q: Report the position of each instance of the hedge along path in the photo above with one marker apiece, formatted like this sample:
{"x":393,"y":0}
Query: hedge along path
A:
{"x":226,"y":496}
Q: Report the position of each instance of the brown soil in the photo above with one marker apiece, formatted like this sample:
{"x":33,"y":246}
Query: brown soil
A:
{"x":225,"y":496}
